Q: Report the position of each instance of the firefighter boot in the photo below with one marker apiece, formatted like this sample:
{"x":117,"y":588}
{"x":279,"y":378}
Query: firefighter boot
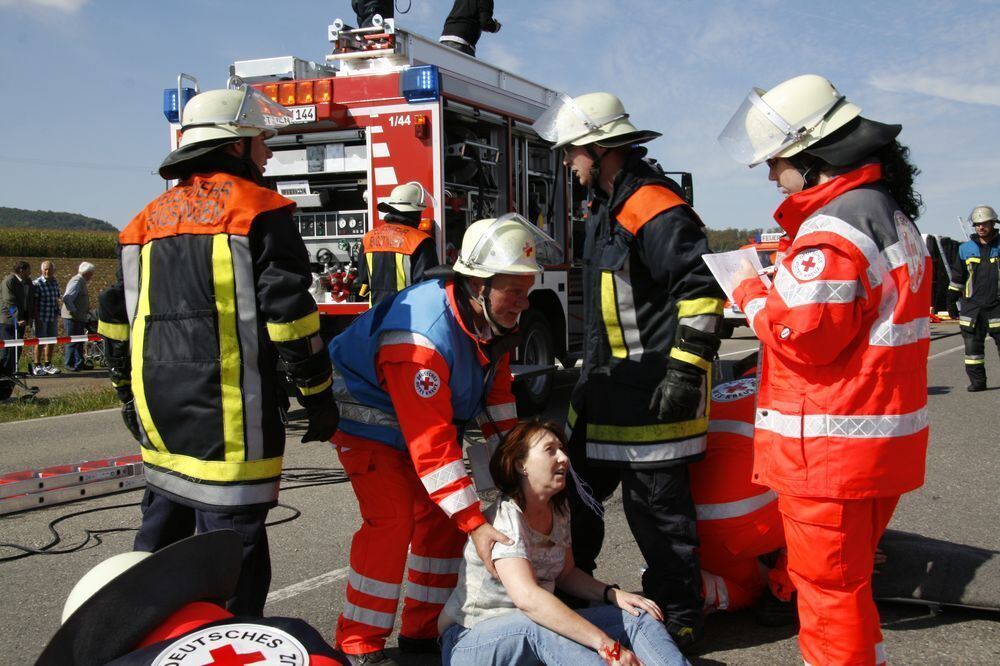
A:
{"x":376,"y":658}
{"x":977,"y":377}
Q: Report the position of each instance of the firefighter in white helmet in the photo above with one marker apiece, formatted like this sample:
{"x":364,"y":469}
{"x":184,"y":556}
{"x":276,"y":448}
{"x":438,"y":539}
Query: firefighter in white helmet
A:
{"x":974,"y":292}
{"x":410,"y":375}
{"x":841,"y":427}
{"x":213,"y":292}
{"x":652,"y":313}
{"x":397,"y":253}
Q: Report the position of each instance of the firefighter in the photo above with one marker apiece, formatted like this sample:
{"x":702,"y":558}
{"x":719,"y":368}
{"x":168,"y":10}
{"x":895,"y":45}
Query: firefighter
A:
{"x":841,"y":426}
{"x":466,"y":22}
{"x":652,"y":314}
{"x":974,"y":293}
{"x":738,"y":520}
{"x":397,"y":254}
{"x":410,"y":376}
{"x":212,"y":290}
{"x":138,"y":609}
{"x":367,"y":10}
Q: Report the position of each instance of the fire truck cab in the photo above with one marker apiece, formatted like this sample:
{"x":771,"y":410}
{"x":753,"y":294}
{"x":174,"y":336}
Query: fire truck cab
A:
{"x":388,"y":107}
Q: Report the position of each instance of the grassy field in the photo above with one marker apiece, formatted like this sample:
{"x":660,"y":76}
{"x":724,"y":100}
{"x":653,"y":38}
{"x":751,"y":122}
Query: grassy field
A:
{"x":83,"y":400}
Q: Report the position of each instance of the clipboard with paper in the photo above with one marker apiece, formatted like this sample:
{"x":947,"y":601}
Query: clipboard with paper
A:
{"x":726,"y":265}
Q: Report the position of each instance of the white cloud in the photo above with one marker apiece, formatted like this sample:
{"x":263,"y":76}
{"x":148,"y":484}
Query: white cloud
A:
{"x":953,"y":89}
{"x":62,"y":5}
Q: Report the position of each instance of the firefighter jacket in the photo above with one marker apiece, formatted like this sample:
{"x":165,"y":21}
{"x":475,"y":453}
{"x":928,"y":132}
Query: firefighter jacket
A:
{"x":975,"y":278}
{"x":643,"y":281}
{"x":205,"y":633}
{"x":844,"y":330}
{"x":212,"y":289}
{"x":728,"y":504}
{"x":395,"y":256}
{"x":411,"y":375}
{"x":468,"y":19}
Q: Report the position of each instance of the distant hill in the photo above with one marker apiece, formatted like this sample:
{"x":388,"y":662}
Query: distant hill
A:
{"x":16,"y":218}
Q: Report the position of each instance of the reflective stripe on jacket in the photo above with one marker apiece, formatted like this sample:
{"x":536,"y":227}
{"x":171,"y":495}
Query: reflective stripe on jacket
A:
{"x":643,"y":278}
{"x":844,"y":330}
{"x":213,"y":287}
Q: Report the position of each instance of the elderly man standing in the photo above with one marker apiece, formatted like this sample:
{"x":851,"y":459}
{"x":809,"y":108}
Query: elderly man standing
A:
{"x":16,"y":305}
{"x":46,"y":317}
{"x":75,"y":309}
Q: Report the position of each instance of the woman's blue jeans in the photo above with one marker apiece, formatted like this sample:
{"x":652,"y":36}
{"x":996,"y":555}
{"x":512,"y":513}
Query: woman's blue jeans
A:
{"x":516,"y":640}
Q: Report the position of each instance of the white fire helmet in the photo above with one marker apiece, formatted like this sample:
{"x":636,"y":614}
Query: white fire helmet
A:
{"x":786,"y":119}
{"x":98,"y":577}
{"x":411,"y":197}
{"x":504,"y":245}
{"x":231,"y":113}
{"x":982,"y":214}
{"x":597,"y":117}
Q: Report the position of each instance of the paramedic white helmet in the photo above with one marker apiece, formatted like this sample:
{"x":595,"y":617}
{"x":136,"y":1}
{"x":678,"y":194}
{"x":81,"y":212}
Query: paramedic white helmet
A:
{"x":786,"y":119}
{"x":505,"y":245}
{"x":594,"y":118}
{"x":98,"y":577}
{"x":982,"y":215}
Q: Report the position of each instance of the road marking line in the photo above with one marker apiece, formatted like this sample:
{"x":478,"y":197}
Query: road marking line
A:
{"x":307,"y":585}
{"x":741,"y":351}
{"x":947,"y":351}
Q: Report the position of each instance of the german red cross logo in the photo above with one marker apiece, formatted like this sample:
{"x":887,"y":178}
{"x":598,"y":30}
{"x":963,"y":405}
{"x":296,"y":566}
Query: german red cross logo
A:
{"x":227,"y":656}
{"x":239,"y":644}
{"x":808,"y":265}
{"x":529,"y":249}
{"x":426,"y":383}
{"x":735,"y":390}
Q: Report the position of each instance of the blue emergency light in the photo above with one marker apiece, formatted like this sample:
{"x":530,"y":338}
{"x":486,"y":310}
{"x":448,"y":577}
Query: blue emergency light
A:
{"x":421,"y":84}
{"x":170,"y":107}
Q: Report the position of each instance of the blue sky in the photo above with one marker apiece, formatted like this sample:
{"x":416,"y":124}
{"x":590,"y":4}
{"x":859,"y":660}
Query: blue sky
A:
{"x":82,"y":81}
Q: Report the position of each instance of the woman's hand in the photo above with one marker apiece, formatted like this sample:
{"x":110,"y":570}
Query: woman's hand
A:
{"x":744,"y":272}
{"x":483,"y":538}
{"x":633,"y":603}
{"x":614,"y":654}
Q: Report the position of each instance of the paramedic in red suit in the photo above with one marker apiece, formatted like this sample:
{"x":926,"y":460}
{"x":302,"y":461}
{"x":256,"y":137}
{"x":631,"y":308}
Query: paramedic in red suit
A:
{"x":738,"y":520}
{"x":841,"y":426}
{"x":411,"y":374}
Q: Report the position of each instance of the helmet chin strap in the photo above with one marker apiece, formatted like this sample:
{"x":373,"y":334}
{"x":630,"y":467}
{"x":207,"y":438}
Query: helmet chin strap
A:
{"x":595,"y":168}
{"x":484,"y":302}
{"x":257,"y":174}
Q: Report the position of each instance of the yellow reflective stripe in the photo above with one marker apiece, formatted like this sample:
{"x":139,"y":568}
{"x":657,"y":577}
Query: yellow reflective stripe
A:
{"x":138,"y":338}
{"x":293,"y":330}
{"x":974,"y":361}
{"x":698,"y":306}
{"x":609,"y":311}
{"x":229,"y":349}
{"x":370,"y":260}
{"x":655,"y":432}
{"x":571,"y":417}
{"x":214,"y":470}
{"x":693,"y":359}
{"x":313,"y":390}
{"x":400,"y":271}
{"x":114,"y":331}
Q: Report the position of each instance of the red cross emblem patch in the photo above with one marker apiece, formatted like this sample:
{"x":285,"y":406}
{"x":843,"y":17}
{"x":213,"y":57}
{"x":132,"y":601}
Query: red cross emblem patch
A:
{"x":735,"y":390}
{"x":237,"y":644}
{"x":529,"y":249}
{"x":426,"y":383}
{"x":808,"y":265}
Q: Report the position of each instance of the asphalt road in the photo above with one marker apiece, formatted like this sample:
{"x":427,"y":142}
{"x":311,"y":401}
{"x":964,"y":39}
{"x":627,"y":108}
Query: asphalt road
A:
{"x":310,"y":545}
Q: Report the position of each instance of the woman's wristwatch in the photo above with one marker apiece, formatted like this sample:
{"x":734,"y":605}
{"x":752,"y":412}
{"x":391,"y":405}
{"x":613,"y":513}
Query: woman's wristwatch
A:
{"x":608,"y":588}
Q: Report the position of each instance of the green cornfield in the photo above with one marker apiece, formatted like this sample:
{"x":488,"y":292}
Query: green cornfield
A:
{"x":50,"y":243}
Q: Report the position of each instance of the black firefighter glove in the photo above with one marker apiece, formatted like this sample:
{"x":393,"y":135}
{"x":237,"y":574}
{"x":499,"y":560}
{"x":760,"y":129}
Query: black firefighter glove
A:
{"x":323,"y":421}
{"x":679,"y":394}
{"x":953,"y":297}
{"x":131,"y":419}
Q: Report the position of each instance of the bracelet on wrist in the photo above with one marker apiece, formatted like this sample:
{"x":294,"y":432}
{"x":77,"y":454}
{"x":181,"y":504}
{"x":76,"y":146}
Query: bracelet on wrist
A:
{"x":608,"y":588}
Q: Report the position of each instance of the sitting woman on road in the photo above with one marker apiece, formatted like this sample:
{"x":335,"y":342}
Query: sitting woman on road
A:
{"x":517,"y":619}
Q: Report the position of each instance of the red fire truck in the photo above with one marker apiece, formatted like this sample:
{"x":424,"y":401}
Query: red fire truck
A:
{"x":388,"y":107}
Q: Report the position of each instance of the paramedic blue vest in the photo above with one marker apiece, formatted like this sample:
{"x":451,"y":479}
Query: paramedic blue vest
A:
{"x":418,"y":314}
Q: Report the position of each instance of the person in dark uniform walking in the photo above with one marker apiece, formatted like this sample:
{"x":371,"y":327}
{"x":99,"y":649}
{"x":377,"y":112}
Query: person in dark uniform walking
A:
{"x":396,"y":254}
{"x":466,"y":23}
{"x":212,"y":292}
{"x":974,"y":293}
{"x":652,"y":314}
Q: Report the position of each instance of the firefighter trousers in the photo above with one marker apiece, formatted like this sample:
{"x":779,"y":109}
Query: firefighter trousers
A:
{"x":831,"y":554}
{"x":661,"y":515}
{"x":986,"y":322}
{"x":401,"y":529}
{"x":165,"y":521}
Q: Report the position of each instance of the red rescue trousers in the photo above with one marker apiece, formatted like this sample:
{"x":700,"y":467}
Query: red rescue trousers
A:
{"x":831,"y":555}
{"x":397,"y":517}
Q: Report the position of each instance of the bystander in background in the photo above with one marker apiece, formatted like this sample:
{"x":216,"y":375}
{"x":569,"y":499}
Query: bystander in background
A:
{"x":46,"y":317}
{"x":75,"y":310}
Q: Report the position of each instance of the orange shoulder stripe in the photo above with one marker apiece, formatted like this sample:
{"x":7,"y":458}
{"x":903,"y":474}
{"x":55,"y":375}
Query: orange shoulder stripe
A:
{"x":646,"y":203}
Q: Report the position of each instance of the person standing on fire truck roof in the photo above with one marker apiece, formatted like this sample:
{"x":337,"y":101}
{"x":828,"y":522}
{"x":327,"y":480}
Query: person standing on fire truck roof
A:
{"x":396,"y":254}
{"x":841,"y":428}
{"x":410,"y":375}
{"x":465,"y":25}
{"x":975,"y":285}
{"x":212,"y":289}
{"x":652,"y":313}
